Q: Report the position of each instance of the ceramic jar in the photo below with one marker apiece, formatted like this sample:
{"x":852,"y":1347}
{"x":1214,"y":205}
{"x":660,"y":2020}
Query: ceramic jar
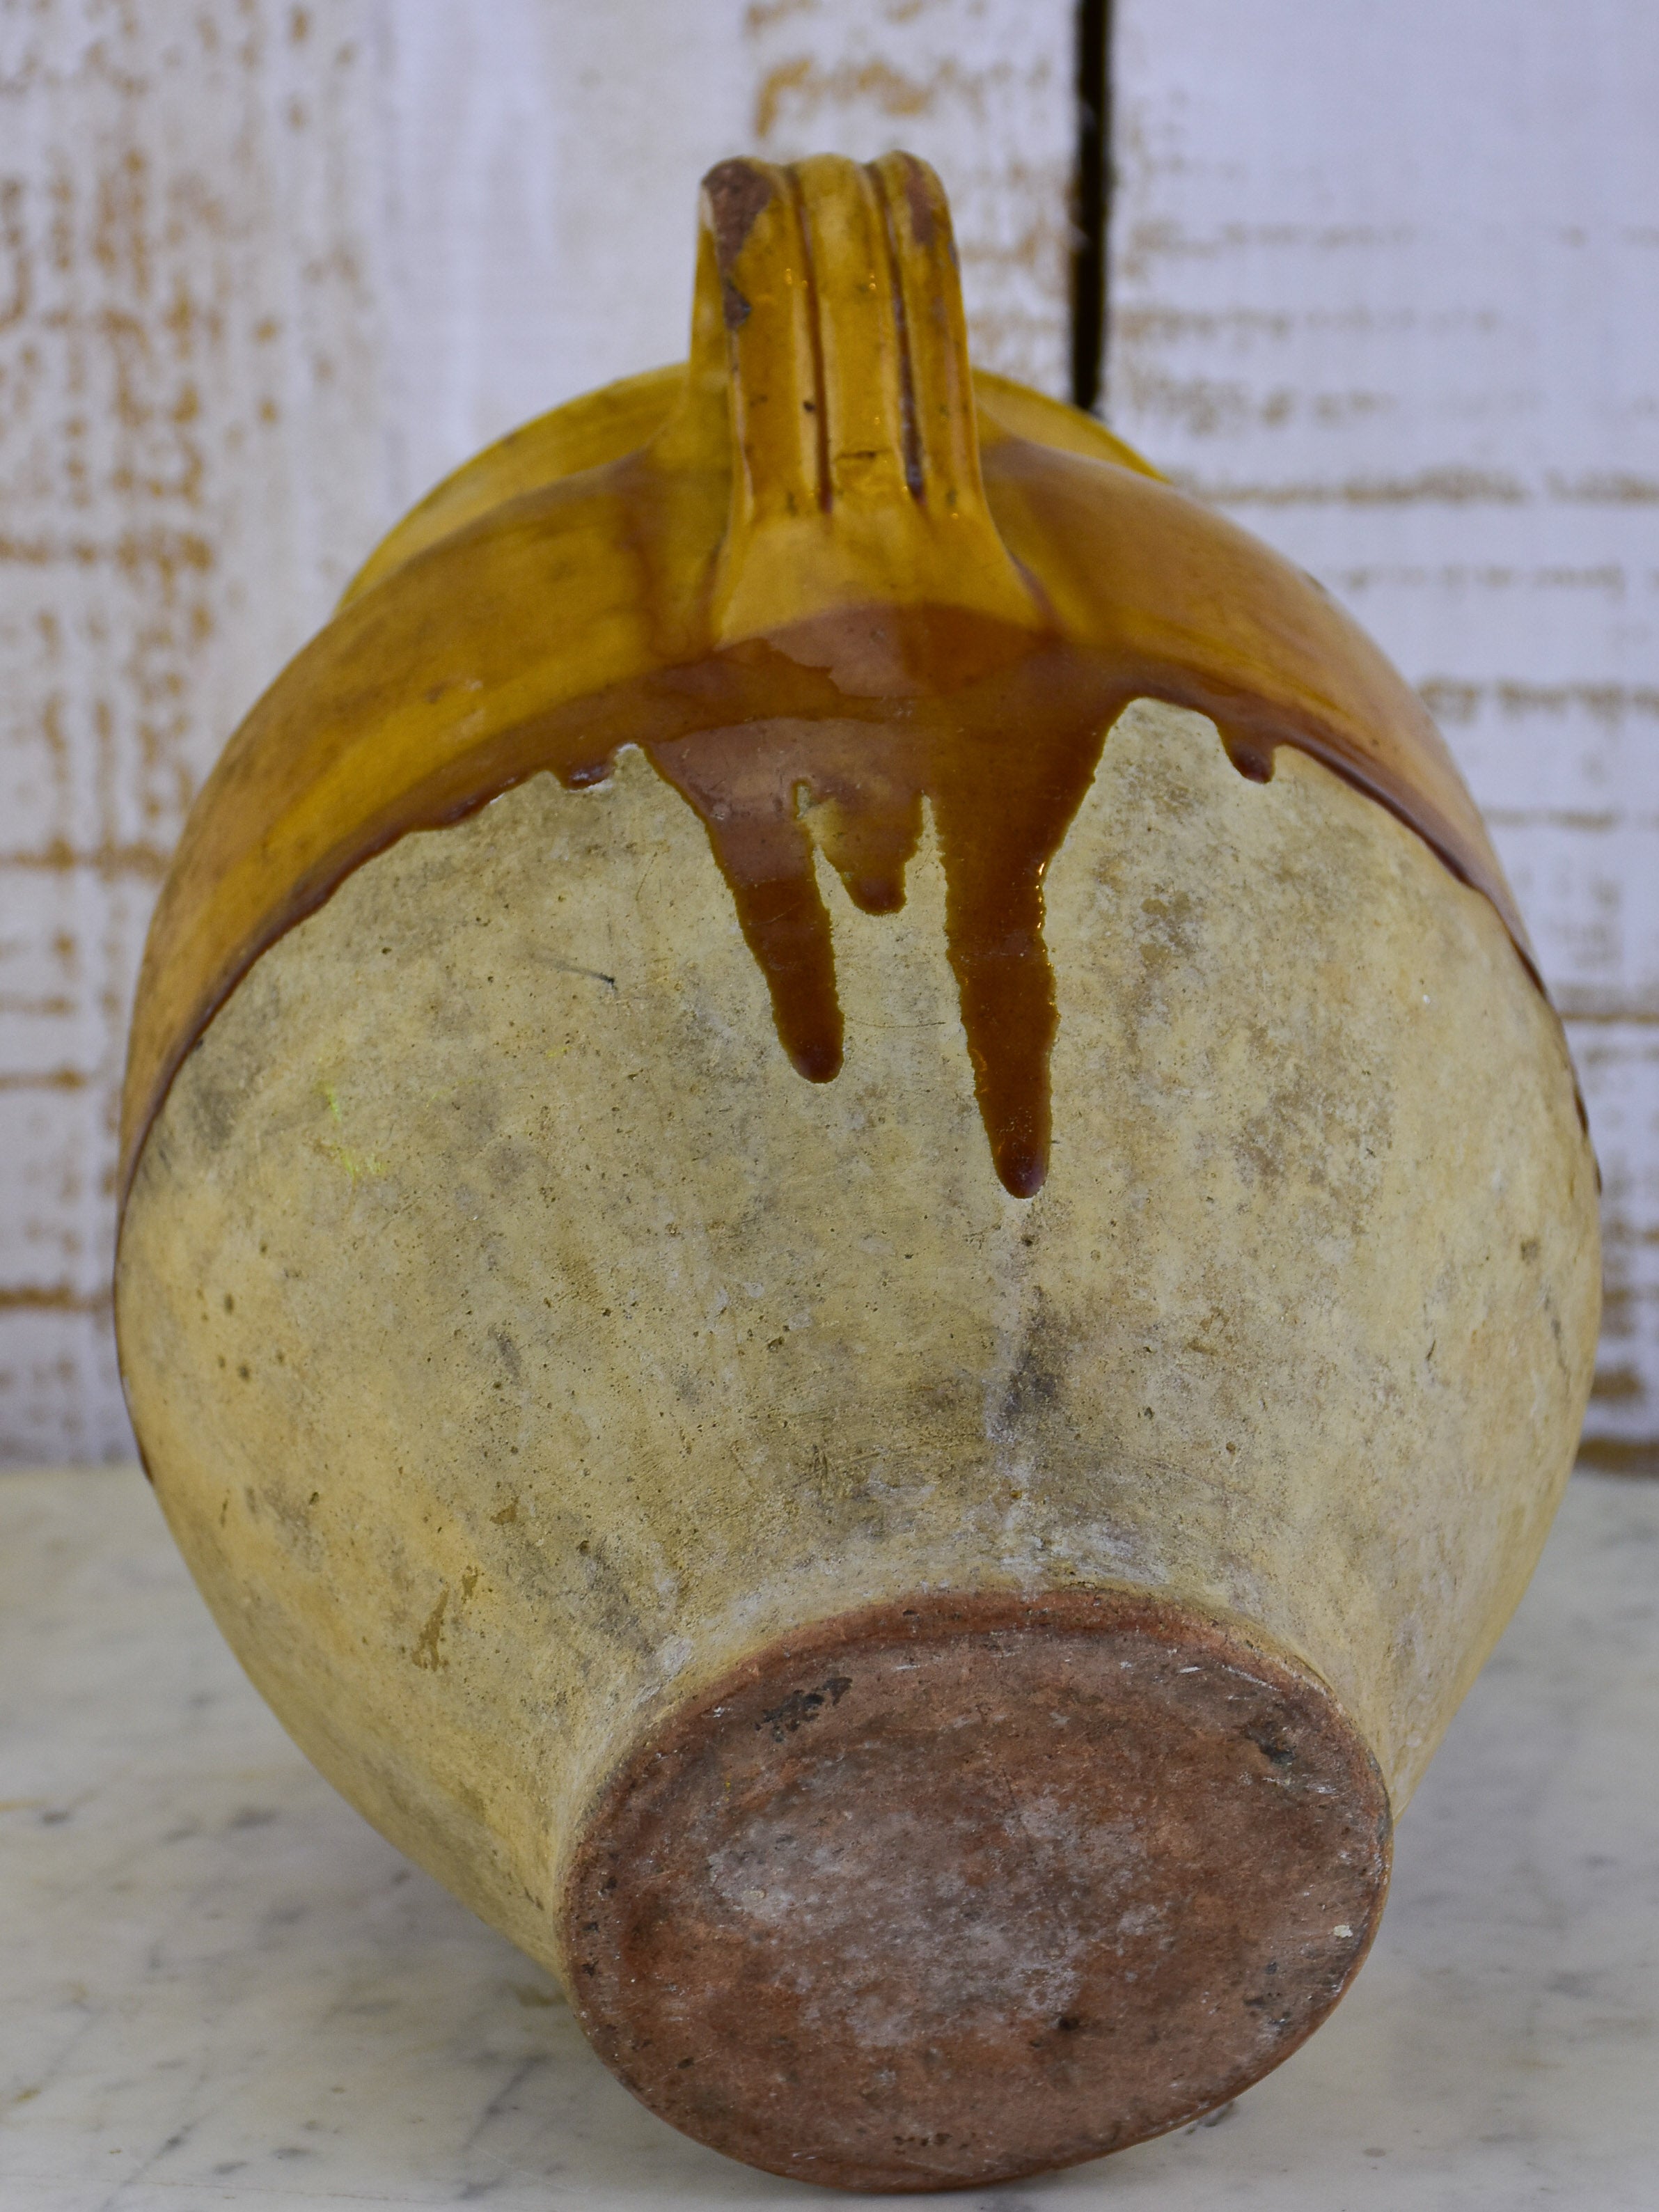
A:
{"x":855,"y":1253}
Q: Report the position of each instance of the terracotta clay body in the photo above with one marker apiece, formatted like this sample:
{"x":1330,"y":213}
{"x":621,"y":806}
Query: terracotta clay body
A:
{"x":856,"y":1257}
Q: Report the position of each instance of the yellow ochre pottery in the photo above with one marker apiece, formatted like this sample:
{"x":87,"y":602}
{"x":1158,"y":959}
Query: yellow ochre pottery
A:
{"x":855,"y":1253}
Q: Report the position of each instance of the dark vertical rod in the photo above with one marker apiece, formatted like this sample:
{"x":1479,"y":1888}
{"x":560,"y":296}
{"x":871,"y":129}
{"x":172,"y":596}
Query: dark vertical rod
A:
{"x":1092,"y":210}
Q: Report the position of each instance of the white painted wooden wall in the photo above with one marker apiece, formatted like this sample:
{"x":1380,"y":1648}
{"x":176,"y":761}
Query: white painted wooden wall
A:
{"x":268,"y":270}
{"x":1386,"y":288}
{"x":1382,"y":279}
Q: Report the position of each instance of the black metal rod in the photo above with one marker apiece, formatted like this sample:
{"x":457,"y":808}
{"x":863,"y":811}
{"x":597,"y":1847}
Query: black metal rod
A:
{"x":1091,"y":213}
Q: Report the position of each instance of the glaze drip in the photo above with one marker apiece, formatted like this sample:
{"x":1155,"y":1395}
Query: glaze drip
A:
{"x":1003,"y":761}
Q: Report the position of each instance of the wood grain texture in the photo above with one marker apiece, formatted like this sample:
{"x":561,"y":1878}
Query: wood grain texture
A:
{"x":266,"y":271}
{"x":189,"y":458}
{"x":1385,"y":287}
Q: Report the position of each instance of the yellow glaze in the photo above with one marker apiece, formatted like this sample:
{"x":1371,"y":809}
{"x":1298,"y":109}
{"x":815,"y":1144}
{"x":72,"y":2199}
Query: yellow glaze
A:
{"x":806,"y":467}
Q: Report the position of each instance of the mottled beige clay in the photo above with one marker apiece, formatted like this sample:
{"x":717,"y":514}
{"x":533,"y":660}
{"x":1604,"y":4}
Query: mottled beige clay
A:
{"x":517,"y":1340}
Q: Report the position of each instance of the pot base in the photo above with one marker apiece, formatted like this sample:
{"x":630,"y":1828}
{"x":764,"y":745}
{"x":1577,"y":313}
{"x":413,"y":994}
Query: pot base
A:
{"x":949,"y":1892}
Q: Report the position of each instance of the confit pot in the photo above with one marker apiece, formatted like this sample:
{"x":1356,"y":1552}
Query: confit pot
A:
{"x":855,"y":1253}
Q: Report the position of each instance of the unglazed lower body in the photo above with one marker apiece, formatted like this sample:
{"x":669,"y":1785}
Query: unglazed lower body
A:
{"x":931,"y":1670}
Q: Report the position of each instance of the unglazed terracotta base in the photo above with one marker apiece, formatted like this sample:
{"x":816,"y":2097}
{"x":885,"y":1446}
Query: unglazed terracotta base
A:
{"x":951,"y":1892}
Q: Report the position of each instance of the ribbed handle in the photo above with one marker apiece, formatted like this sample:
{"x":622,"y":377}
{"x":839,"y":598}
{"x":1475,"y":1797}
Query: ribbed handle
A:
{"x":832,"y":289}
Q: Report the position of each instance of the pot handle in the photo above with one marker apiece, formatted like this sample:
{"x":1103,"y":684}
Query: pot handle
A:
{"x":831,"y":288}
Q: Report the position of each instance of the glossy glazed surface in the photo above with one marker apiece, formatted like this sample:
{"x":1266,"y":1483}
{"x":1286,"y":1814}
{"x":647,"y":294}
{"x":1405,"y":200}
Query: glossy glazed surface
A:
{"x":825,"y":592}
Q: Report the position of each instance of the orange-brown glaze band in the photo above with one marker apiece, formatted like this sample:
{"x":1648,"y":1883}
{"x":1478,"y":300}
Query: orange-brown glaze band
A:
{"x":815,"y":600}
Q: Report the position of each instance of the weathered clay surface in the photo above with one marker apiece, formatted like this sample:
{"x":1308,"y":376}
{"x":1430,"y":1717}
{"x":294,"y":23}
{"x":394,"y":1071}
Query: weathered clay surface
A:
{"x":946,"y":1892}
{"x":519,"y":1343}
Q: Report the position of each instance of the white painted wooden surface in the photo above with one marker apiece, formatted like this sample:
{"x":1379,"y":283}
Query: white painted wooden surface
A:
{"x":1386,"y":286}
{"x":190,"y":455}
{"x":266,"y":271}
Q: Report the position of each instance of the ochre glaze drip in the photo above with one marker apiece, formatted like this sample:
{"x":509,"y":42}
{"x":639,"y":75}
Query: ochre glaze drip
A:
{"x":1003,"y":759}
{"x":812,"y":609}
